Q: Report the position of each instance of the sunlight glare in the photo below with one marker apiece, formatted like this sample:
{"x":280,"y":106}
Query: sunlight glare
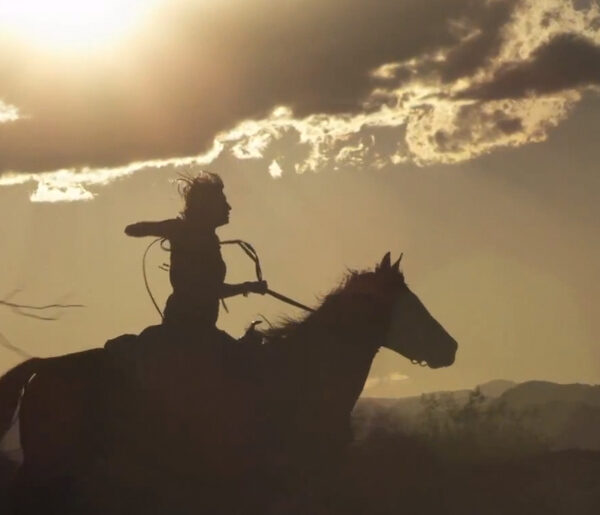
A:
{"x":71,"y":25}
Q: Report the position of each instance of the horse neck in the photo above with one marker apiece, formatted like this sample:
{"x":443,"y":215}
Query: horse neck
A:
{"x":346,"y":366}
{"x":339,"y":351}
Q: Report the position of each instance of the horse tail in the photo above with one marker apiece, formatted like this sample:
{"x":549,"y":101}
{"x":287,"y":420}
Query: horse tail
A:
{"x":11,"y":386}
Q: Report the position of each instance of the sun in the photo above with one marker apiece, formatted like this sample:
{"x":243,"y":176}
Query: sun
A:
{"x":72,"y":25}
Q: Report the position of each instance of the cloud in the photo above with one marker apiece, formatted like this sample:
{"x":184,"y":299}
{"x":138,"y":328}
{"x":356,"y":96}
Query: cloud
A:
{"x":70,"y":184}
{"x":568,"y":61}
{"x":8,"y":113}
{"x":202,"y":69}
{"x":427,"y":103}
{"x":337,"y":84}
{"x":275,"y":170}
{"x":394,"y":377}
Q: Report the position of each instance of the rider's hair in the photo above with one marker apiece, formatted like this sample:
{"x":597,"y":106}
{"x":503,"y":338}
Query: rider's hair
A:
{"x":195,"y":189}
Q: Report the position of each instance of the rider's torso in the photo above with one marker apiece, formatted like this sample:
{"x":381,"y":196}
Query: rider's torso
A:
{"x":197,"y":269}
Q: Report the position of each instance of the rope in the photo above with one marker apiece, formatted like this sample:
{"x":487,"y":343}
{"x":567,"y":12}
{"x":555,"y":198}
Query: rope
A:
{"x":146,"y":276}
{"x":253,"y":255}
{"x":250,"y":252}
{"x":288,"y":300}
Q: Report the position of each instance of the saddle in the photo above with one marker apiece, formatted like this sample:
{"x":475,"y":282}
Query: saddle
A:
{"x":161,"y":350}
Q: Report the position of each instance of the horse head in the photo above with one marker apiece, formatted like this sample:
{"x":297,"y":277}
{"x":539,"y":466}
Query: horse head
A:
{"x":410,"y":330}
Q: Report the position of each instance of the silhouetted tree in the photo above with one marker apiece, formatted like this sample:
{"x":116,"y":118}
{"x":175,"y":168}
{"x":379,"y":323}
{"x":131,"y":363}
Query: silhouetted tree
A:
{"x":476,"y":429}
{"x":36,"y":311}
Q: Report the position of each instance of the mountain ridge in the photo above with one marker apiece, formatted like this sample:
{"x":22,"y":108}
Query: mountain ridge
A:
{"x":566,"y":416}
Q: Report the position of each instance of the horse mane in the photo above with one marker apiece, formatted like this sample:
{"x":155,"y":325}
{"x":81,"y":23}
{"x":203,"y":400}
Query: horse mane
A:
{"x":289,"y":326}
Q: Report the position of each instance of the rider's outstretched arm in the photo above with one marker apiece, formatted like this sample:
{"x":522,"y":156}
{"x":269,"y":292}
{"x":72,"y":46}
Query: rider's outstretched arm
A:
{"x":158,"y":229}
{"x":230,"y":290}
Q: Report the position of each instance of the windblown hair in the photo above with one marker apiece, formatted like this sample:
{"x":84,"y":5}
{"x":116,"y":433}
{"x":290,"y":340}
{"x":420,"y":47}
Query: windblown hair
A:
{"x":196,"y":189}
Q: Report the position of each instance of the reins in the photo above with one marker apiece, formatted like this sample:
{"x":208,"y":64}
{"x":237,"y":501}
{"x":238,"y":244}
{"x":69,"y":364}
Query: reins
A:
{"x":253,"y":255}
{"x":248,"y":250}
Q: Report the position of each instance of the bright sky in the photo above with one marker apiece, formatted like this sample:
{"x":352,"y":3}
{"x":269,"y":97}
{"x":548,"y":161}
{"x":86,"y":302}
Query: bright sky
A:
{"x":464,"y":135}
{"x":72,"y":26}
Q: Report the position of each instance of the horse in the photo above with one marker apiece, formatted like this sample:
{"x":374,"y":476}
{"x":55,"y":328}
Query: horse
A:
{"x":243,"y":418}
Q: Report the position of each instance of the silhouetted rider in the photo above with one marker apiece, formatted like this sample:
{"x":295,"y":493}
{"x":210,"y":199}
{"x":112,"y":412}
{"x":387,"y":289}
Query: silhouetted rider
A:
{"x":197,"y":271}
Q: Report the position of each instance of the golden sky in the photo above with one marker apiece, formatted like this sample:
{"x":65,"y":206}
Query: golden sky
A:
{"x":460,"y":132}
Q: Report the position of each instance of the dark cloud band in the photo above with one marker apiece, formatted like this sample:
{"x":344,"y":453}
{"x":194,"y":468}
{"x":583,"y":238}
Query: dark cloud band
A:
{"x":313,"y":85}
{"x":568,"y":61}
{"x":204,"y":68}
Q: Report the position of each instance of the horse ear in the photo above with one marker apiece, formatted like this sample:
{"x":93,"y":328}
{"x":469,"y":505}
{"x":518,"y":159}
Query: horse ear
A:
{"x":396,"y":265}
{"x":385,"y":262}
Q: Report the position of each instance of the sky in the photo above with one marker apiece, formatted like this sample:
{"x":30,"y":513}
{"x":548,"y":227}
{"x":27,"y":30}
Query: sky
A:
{"x":462,"y":133}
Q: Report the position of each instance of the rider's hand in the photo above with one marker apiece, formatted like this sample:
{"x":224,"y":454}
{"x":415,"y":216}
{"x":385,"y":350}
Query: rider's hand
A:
{"x":260,"y":287}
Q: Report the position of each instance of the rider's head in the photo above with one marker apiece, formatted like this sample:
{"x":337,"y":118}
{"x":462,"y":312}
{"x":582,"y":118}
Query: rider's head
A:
{"x":205,"y":202}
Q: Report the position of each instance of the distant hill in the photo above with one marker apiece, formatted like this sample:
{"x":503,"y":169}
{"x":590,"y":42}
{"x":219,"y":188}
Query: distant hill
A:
{"x":533,"y":393}
{"x":496,"y":388}
{"x":566,"y":416}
